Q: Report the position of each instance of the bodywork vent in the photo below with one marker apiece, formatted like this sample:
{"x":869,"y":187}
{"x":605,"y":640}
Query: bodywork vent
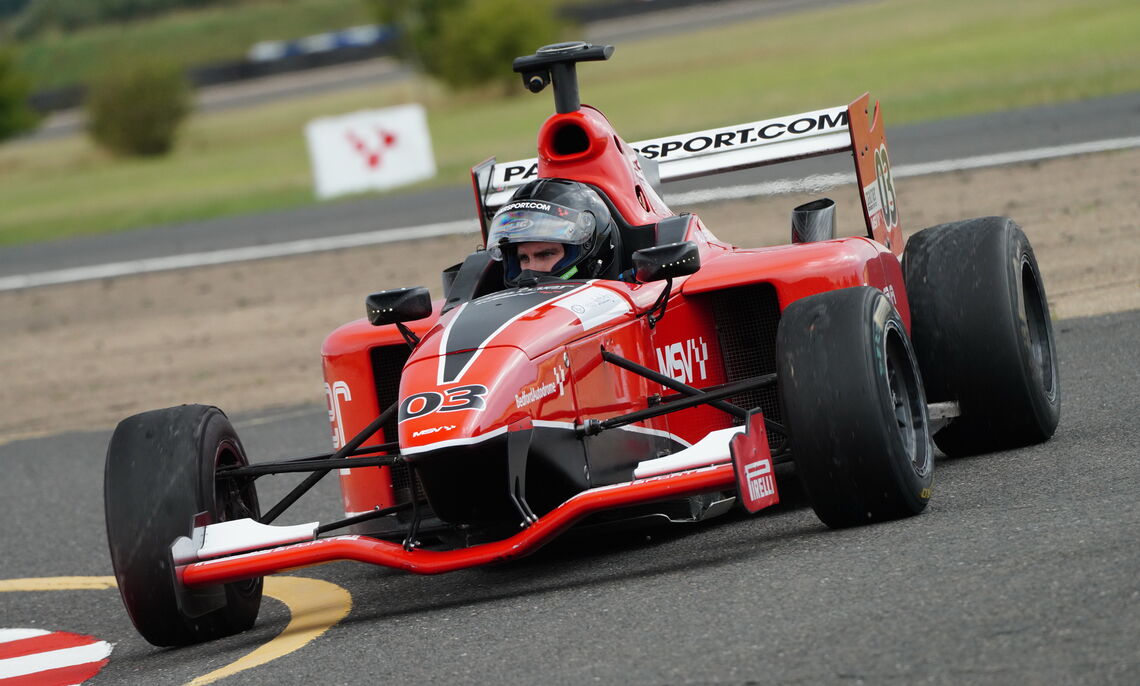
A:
{"x":387,"y":365}
{"x":746,"y":321}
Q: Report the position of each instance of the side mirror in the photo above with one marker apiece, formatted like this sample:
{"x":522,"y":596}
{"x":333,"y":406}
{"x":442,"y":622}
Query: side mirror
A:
{"x":666,"y":261}
{"x":398,"y":305}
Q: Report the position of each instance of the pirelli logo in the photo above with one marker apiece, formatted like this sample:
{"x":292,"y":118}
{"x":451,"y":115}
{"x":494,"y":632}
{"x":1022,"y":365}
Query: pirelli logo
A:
{"x":791,"y":129}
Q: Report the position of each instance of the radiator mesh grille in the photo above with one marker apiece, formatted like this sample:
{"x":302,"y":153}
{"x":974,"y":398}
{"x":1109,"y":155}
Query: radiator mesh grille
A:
{"x":387,"y":365}
{"x":746,"y":320}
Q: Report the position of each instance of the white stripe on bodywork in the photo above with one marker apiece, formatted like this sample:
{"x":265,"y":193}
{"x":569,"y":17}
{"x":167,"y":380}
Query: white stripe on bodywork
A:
{"x":443,"y":342}
{"x":540,"y":423}
{"x":241,"y":535}
{"x":473,"y":440}
{"x":443,"y":356}
{"x":594,"y":306}
{"x":711,"y":450}
{"x":438,"y":445}
{"x":655,"y":432}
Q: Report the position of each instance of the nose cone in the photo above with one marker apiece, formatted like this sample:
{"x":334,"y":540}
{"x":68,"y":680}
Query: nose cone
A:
{"x":499,"y":386}
{"x":535,"y":320}
{"x":499,"y":359}
{"x":458,"y":434}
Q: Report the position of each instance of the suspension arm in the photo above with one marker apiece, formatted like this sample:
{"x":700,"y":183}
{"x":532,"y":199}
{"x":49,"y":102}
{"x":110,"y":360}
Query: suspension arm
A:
{"x":310,"y":481}
{"x":318,"y":463}
{"x":673,"y":384}
{"x":670,"y":382}
{"x":593,"y":426}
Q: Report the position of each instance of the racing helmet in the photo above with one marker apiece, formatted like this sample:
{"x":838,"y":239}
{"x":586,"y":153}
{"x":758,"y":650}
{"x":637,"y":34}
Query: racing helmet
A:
{"x":556,"y":211}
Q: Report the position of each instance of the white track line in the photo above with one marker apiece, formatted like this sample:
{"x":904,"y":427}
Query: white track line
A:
{"x":812,"y":183}
{"x":257,"y":252}
{"x":821,"y":182}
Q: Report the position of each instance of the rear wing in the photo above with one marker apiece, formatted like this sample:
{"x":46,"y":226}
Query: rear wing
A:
{"x":852,"y":128}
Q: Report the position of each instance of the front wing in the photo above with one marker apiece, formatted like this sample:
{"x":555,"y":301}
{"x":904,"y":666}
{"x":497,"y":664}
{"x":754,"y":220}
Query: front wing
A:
{"x":214,"y":554}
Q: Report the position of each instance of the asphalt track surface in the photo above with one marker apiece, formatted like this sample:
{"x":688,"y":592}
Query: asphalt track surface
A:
{"x":1023,"y":569}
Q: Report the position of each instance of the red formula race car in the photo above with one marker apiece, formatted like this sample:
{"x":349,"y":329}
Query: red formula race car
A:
{"x":607,"y":360}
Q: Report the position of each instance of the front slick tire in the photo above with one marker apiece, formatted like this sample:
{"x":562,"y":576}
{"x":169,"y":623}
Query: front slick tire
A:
{"x":855,"y":407}
{"x":160,"y":473}
{"x":981,"y":326}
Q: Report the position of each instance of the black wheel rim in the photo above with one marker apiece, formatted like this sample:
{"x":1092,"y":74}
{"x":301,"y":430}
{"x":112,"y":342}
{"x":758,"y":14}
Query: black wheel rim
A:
{"x":1036,"y":317}
{"x":907,"y":404}
{"x":235,"y":499}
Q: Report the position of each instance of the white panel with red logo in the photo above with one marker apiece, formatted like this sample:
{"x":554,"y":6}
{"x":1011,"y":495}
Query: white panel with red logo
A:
{"x":370,"y":150}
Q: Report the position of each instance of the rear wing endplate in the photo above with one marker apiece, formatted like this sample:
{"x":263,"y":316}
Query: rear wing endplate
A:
{"x":852,"y":128}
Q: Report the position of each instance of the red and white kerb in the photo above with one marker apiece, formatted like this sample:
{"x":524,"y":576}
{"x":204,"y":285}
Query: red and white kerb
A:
{"x":49,"y":658}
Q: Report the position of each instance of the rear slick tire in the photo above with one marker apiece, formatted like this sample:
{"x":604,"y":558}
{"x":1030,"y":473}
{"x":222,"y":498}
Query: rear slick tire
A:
{"x":855,"y":408}
{"x":160,"y":474}
{"x":982,"y":331}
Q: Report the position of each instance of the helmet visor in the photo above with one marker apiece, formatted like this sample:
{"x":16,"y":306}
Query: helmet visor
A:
{"x":535,"y":220}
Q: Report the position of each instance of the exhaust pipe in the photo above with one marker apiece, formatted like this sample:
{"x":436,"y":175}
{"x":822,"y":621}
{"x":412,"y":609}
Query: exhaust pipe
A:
{"x":814,"y":221}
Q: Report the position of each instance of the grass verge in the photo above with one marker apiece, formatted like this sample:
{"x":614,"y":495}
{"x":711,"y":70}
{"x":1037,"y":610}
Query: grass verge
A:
{"x":924,"y":60}
{"x":188,"y":37}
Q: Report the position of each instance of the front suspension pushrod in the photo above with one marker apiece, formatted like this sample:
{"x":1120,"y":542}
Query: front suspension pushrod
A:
{"x":363,"y":517}
{"x":670,"y":382}
{"x":311,"y":480}
{"x":317,"y":464}
{"x":594,"y":426}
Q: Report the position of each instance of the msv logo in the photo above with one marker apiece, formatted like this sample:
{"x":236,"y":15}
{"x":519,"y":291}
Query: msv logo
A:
{"x":432,"y":430}
{"x":684,"y":360}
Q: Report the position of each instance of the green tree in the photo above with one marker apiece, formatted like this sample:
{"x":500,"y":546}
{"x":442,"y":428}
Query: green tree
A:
{"x":417,"y":23}
{"x":135,"y":108}
{"x":478,"y":41}
{"x":9,"y":8}
{"x":34,"y":17}
{"x":468,"y":43}
{"x":15,"y":114}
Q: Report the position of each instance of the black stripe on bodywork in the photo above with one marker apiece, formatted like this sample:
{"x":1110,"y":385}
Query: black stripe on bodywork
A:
{"x":472,"y":327}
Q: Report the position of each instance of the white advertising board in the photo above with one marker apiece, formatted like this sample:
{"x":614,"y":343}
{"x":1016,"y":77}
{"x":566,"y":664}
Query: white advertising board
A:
{"x":370,"y":150}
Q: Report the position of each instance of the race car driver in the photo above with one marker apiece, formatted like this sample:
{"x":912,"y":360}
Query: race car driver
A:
{"x":554,"y":227}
